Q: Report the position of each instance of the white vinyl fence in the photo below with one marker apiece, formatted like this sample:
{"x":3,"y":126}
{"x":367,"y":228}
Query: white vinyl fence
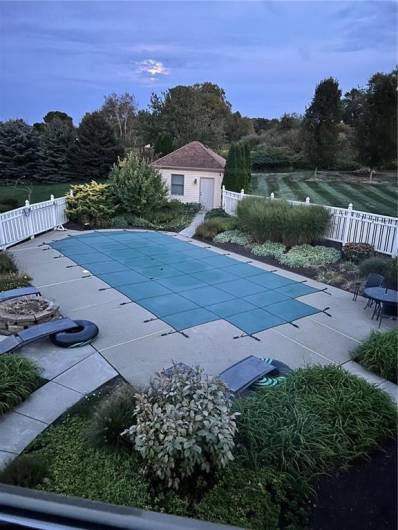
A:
{"x":30,"y":220}
{"x":347,"y":224}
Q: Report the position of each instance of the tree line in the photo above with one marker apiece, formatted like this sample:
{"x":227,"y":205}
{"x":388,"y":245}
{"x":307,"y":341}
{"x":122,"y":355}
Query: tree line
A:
{"x":336,"y":132}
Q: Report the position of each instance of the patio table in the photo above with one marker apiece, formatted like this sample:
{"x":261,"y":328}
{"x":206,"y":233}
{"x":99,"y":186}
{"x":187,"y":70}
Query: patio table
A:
{"x":381,"y":295}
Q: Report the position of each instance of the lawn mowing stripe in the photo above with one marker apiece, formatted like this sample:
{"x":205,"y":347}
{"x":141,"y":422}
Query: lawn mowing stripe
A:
{"x":323,"y":193}
{"x":381,"y":198}
{"x":363,"y":200}
{"x":297,"y":189}
{"x":285,"y":191}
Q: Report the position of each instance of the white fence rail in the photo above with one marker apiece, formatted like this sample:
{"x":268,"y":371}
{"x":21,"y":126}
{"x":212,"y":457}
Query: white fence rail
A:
{"x":347,"y":224}
{"x":30,"y":220}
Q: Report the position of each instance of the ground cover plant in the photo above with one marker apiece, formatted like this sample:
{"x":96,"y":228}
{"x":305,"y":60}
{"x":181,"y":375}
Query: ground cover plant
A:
{"x":309,"y":256}
{"x":10,"y":278}
{"x":269,"y":248}
{"x":233,"y":236}
{"x":282,"y":222}
{"x":19,"y":377}
{"x":319,"y":420}
{"x":379,"y":354}
{"x":215,"y":225}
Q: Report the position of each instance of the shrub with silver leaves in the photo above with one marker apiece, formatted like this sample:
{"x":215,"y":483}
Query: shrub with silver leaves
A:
{"x":269,"y":248}
{"x":184,"y":425}
{"x":233,"y":236}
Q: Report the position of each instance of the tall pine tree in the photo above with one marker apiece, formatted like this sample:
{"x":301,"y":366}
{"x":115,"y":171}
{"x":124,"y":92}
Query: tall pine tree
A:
{"x":237,"y":168}
{"x":320,"y":125}
{"x":96,"y":148}
{"x":18,"y":151}
{"x":57,"y":138}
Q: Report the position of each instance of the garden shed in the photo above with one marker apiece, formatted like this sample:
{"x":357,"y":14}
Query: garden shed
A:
{"x":193,"y":173}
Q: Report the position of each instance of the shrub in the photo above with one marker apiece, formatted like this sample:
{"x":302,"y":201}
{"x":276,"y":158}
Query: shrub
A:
{"x":91,"y":204}
{"x":13,"y":281}
{"x":27,"y":471}
{"x":216,"y":212}
{"x":308,"y":256}
{"x":282,"y":222}
{"x":318,"y":419}
{"x":137,"y":186}
{"x":184,"y":425}
{"x":269,"y":248}
{"x":387,"y":267}
{"x":19,"y":377}
{"x":331,"y":277}
{"x":379,"y":354}
{"x":209,"y":229}
{"x":7,"y":263}
{"x":128,"y":220}
{"x":113,"y":415}
{"x":357,"y":251}
{"x":232,"y":236}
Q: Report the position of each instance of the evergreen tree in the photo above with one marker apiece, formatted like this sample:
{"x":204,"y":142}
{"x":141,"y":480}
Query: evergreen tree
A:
{"x":377,"y":124}
{"x":320,"y":125}
{"x":18,"y":151}
{"x":164,"y":144}
{"x":57,"y":138}
{"x":229,"y":180}
{"x":237,"y":168}
{"x":96,"y":148}
{"x":247,"y":168}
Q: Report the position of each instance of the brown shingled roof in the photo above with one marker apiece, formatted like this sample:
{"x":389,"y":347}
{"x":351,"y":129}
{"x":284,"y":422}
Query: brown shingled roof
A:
{"x":193,"y":155}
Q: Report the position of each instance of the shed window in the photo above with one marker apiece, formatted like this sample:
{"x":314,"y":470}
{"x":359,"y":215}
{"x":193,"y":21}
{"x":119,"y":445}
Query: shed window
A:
{"x":177,"y":184}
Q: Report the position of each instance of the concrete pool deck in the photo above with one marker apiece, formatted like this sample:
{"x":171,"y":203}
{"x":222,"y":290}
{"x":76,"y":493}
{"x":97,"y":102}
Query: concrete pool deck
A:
{"x":132,"y":344}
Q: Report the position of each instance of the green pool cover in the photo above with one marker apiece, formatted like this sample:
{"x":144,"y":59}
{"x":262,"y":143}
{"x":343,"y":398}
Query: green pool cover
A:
{"x":185,"y":285}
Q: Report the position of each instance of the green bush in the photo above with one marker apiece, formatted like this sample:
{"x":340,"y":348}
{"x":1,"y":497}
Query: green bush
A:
{"x":269,"y":157}
{"x":131,"y":221}
{"x":279,"y":221}
{"x":379,"y":354}
{"x":209,"y":229}
{"x":319,"y":419}
{"x":138,"y":187}
{"x":184,"y":426}
{"x":387,"y":267}
{"x":269,"y":248}
{"x":113,"y":415}
{"x":13,"y":281}
{"x":233,"y":236}
{"x":216,"y":212}
{"x":27,"y":471}
{"x":19,"y":377}
{"x":357,"y":251}
{"x":308,"y":256}
{"x":331,"y":277}
{"x":7,"y":263}
{"x":91,"y":203}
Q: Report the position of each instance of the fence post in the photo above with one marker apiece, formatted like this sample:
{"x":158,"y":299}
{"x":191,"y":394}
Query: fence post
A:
{"x":272,"y":196}
{"x":307,"y":200}
{"x":2,"y":235}
{"x":347,"y":224}
{"x":222,"y":197}
{"x":394,"y":250}
{"x":54,"y":205}
{"x":242,"y":193}
{"x":27,"y":213}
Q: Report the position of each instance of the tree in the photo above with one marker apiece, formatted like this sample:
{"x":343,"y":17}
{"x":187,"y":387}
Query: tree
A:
{"x":57,"y":138}
{"x":58,"y":116}
{"x":196,"y":112}
{"x":237,"y":168}
{"x":121,"y":114}
{"x":320,"y":125}
{"x":164,"y":144}
{"x":237,"y":126}
{"x":353,"y":104}
{"x":18,"y":151}
{"x":96,"y":148}
{"x":377,"y":123}
{"x":137,"y":186}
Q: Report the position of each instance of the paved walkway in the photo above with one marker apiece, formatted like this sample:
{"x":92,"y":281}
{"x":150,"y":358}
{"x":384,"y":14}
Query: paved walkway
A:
{"x":189,"y":231}
{"x":135,"y":345}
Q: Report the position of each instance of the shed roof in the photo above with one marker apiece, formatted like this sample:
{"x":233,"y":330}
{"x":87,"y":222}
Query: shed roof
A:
{"x":194,"y":155}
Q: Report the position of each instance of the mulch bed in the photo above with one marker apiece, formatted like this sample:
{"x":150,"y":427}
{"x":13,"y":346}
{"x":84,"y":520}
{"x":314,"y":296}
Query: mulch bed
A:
{"x":363,"y":498}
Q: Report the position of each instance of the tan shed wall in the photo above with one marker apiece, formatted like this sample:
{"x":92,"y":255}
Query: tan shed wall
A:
{"x":192,"y":190}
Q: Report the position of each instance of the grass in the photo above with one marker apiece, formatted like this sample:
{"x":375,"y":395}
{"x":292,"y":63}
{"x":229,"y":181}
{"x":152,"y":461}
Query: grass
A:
{"x":320,"y":419}
{"x":336,"y":190}
{"x":39,"y":192}
{"x":19,"y":377}
{"x":7,"y":263}
{"x":379,"y":354}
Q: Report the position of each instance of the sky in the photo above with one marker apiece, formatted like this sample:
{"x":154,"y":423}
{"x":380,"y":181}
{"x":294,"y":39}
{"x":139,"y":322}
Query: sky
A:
{"x":268,"y":56}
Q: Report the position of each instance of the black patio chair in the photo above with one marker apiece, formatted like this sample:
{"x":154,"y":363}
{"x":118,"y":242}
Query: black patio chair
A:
{"x":373,"y":280}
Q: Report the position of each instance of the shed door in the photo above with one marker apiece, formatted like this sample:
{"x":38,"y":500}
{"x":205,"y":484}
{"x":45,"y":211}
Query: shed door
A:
{"x":206,"y":193}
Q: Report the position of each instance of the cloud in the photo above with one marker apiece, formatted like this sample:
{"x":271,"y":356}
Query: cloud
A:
{"x":152,"y":67}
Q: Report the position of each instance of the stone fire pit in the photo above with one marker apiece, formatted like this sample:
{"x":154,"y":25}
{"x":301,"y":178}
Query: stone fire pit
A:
{"x":21,"y":313}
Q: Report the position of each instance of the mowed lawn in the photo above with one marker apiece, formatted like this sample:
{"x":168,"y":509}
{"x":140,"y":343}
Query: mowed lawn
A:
{"x":379,"y":197}
{"x":39,"y":192}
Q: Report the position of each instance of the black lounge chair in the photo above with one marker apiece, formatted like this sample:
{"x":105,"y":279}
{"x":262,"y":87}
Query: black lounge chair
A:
{"x":386,"y":310}
{"x":17,"y":293}
{"x":80,"y":332}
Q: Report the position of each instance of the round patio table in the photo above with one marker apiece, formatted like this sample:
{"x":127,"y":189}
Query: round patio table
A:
{"x":381,"y":294}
